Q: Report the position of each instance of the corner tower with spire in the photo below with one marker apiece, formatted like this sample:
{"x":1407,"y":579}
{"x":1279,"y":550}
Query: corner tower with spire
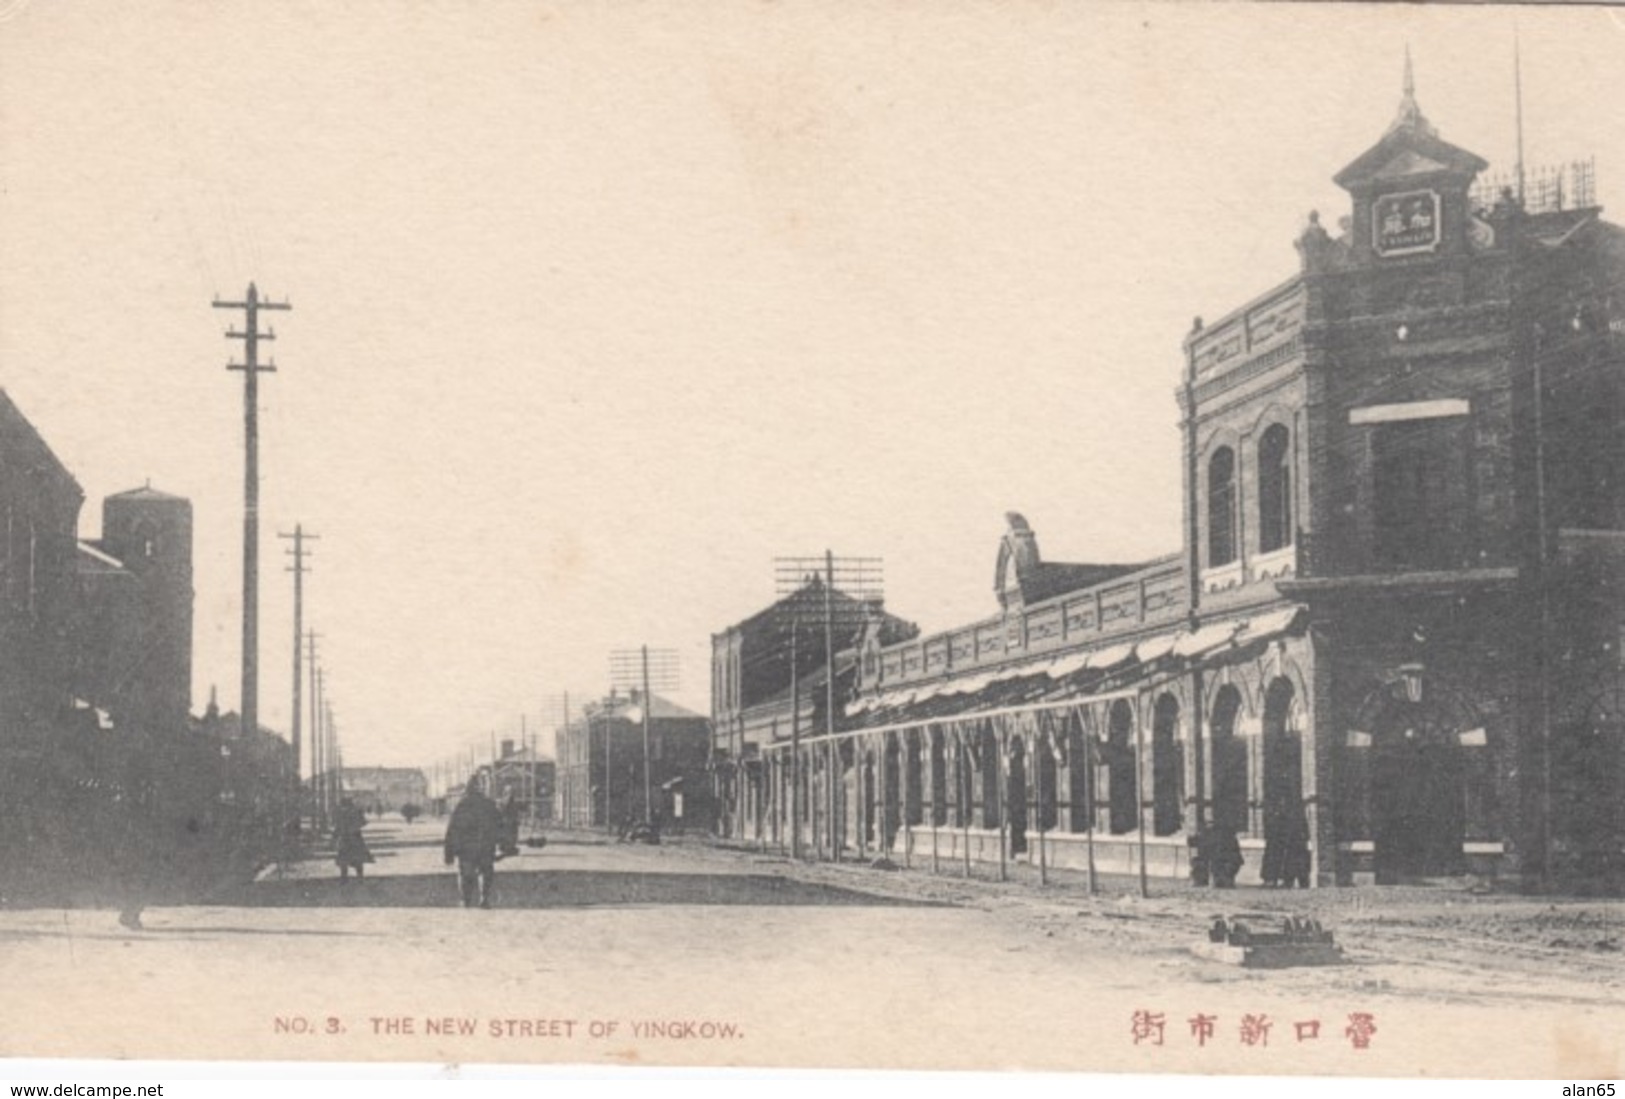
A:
{"x":1410,"y":189}
{"x":1415,"y":439}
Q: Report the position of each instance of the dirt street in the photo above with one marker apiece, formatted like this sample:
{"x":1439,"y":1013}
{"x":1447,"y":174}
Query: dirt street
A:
{"x":685,"y":954}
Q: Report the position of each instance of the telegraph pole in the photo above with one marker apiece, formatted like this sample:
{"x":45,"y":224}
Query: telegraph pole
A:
{"x":298,"y":537}
{"x":329,"y":744}
{"x":251,"y":369}
{"x":848,"y":590}
{"x":629,"y":666}
{"x":566,"y":796}
{"x":318,"y":750}
{"x":335,"y":752}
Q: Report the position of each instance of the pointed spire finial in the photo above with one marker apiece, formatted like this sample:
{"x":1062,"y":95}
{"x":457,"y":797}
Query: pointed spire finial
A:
{"x":1410,"y":114}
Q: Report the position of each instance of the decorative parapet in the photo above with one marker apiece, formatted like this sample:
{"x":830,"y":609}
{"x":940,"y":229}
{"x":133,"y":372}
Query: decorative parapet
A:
{"x":1267,"y":329}
{"x":1150,"y":596}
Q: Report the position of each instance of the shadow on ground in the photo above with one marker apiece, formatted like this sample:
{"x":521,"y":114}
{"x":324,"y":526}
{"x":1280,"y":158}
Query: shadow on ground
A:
{"x":559,"y":889}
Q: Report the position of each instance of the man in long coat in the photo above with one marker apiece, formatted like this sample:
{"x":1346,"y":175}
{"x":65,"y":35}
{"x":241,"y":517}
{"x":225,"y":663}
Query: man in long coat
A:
{"x":472,"y":838}
{"x":350,"y":850}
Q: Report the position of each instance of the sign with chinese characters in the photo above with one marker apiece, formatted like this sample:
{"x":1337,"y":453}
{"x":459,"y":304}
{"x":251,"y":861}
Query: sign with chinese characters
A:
{"x":1147,"y":1027}
{"x":1405,"y":223}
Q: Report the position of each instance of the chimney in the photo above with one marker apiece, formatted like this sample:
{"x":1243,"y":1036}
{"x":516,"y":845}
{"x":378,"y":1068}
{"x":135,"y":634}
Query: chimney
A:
{"x":507,"y":748}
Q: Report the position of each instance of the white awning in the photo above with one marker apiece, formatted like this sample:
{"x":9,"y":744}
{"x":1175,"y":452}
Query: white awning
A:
{"x":968,"y":685}
{"x":1063,"y":666}
{"x":1019,"y":671}
{"x":1268,"y":625}
{"x":1110,"y":658}
{"x":1155,"y":648}
{"x":1206,"y":639}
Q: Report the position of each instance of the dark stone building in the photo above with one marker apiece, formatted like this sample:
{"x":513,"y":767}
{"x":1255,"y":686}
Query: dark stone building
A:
{"x":1390,"y":647}
{"x":134,"y":618}
{"x":602,"y":780}
{"x":39,"y":510}
{"x":97,"y":748}
{"x":522,"y":776}
{"x":769,"y":685}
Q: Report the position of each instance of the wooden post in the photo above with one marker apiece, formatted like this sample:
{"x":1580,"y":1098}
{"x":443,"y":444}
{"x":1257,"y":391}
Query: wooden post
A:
{"x":1037,"y":779}
{"x":967,"y":792}
{"x":1139,"y":790}
{"x":1086,"y":742}
{"x":1000,"y":744}
{"x":906,"y":758}
{"x":935,"y":809}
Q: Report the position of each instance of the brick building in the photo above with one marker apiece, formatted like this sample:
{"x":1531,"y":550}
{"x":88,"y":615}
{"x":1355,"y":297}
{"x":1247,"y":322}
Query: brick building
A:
{"x":86,"y":627}
{"x":95,"y":682}
{"x":1391,"y":639}
{"x":522,"y":775}
{"x":601,"y":774}
{"x":39,"y":506}
{"x":133,"y":632}
{"x":761,"y":664}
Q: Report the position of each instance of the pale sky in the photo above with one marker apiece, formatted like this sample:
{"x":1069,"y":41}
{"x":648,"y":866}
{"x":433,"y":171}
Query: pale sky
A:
{"x":597,"y":308}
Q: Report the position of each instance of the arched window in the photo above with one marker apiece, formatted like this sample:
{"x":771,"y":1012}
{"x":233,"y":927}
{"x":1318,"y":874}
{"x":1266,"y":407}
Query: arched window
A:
{"x":1221,"y":507}
{"x":1274,"y":489}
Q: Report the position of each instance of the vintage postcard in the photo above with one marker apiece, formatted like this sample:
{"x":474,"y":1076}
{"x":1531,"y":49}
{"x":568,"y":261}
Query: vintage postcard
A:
{"x":953,"y":536}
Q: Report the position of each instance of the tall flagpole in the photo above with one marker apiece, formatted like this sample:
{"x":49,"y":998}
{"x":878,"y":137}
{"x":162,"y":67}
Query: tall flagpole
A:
{"x":1517,"y":91}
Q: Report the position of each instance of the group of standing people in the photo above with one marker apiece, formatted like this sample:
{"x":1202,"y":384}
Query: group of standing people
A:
{"x":1218,"y":860}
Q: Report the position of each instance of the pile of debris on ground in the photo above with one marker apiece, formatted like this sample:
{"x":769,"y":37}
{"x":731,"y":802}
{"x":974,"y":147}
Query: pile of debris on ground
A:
{"x":1264,"y":940}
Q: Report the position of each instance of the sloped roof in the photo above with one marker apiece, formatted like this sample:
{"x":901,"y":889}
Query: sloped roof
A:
{"x":1047,"y":579}
{"x":19,"y":435}
{"x":626,"y":708}
{"x":1411,"y":146}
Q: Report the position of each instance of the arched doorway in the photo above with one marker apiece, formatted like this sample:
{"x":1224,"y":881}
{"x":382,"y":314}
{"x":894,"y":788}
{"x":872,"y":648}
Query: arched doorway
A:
{"x":890,"y":792}
{"x":1080,"y":779}
{"x":1229,"y":763}
{"x":939,"y":777}
{"x":987,"y":755}
{"x":1167,"y":768}
{"x":1418,"y":797}
{"x":1286,"y":828}
{"x":1123,"y":780}
{"x":913,"y":779}
{"x":1016,"y":811}
{"x":868,"y":805}
{"x":1044,"y":765}
{"x":964,"y":781}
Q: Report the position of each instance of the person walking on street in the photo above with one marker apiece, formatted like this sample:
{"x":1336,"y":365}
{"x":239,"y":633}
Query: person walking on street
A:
{"x":352,"y":851}
{"x":472,"y":838}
